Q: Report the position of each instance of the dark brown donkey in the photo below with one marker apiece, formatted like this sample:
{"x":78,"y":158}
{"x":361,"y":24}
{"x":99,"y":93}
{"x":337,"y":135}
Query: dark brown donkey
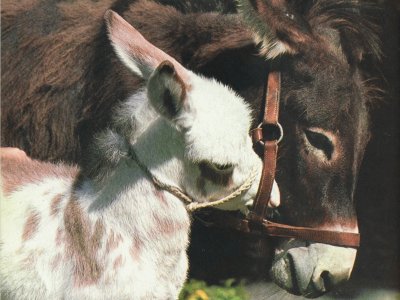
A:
{"x":60,"y":80}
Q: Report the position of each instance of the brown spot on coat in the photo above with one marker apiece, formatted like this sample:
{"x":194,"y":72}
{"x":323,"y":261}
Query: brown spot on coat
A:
{"x":59,"y":237}
{"x":55,"y":205}
{"x":82,"y":244}
{"x":113,"y":241}
{"x":29,"y":260}
{"x":55,"y":262}
{"x":166,"y":226}
{"x":31,"y":226}
{"x":161,"y":196}
{"x":117,"y":262}
{"x":136,"y":248}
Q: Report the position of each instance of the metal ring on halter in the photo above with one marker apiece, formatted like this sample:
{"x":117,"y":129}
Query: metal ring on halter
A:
{"x":278,"y":126}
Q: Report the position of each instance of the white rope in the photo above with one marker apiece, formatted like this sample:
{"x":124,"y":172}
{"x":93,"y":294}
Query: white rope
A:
{"x":177,"y":192}
{"x":244,"y":187}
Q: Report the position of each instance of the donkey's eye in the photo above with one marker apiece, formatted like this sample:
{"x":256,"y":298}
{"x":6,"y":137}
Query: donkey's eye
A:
{"x":320,"y":141}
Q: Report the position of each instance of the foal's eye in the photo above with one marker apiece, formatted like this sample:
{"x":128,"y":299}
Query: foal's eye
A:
{"x":226,"y":168}
{"x":320,"y":141}
{"x":216,"y":173}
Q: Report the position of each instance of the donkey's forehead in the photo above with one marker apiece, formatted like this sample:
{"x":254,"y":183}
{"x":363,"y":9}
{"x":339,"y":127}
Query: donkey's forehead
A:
{"x":324,"y":95}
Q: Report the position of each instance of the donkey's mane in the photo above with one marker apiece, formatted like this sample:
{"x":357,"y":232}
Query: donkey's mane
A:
{"x":353,"y":19}
{"x":204,"y":6}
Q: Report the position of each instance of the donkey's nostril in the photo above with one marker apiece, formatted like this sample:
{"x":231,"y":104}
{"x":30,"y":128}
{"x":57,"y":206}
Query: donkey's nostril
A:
{"x":322,"y":282}
{"x":326,"y":278}
{"x":312,"y":270}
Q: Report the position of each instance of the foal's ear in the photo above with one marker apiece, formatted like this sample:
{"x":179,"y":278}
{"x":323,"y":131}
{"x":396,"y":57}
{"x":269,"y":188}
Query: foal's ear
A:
{"x":134,"y":50}
{"x":167,"y":91}
{"x":277,"y":25}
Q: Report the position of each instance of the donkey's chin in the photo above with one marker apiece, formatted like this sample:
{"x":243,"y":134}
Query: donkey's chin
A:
{"x":313,"y":269}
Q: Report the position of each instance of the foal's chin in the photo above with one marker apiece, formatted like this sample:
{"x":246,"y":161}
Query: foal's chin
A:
{"x":311,"y":269}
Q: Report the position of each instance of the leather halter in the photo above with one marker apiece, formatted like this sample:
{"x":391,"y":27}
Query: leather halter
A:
{"x":268,"y":135}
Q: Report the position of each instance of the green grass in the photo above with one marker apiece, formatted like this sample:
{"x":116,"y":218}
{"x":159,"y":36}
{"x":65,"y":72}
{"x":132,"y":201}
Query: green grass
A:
{"x":199,"y":290}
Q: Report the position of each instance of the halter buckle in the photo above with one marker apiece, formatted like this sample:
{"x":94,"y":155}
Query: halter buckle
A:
{"x":271,"y":132}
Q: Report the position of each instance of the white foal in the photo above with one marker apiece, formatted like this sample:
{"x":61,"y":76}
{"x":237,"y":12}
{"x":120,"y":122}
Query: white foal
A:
{"x":118,"y":228}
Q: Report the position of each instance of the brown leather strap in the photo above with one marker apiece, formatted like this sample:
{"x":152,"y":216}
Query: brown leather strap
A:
{"x":267,"y":179}
{"x":338,"y":238}
{"x":227,"y":220}
{"x":270,"y":146}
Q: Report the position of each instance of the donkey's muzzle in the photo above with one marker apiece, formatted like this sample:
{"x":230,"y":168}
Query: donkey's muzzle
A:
{"x":314,"y":269}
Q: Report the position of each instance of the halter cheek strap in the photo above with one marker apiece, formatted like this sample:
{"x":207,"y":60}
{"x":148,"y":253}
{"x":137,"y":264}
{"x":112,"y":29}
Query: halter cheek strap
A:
{"x":267,"y":135}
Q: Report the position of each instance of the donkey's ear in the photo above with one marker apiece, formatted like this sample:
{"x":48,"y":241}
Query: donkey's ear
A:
{"x":167,"y":91}
{"x":134,"y":50}
{"x":277,"y":26}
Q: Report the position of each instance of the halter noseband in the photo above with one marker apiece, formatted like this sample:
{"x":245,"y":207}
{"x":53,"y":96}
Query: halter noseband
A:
{"x":267,"y":135}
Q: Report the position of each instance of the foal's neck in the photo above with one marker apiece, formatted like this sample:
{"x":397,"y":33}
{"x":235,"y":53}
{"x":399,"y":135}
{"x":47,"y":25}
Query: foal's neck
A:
{"x":124,"y":189}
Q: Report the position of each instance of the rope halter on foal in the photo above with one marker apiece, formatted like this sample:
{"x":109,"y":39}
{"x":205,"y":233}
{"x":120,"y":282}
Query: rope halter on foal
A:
{"x":192,"y":205}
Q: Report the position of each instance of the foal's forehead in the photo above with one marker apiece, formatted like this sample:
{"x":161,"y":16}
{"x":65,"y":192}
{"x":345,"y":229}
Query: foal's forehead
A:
{"x":217,"y":103}
{"x":221,"y":122}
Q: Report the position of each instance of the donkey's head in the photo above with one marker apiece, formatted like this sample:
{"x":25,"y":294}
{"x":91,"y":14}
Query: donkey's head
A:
{"x":320,"y":45}
{"x":192,"y":131}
